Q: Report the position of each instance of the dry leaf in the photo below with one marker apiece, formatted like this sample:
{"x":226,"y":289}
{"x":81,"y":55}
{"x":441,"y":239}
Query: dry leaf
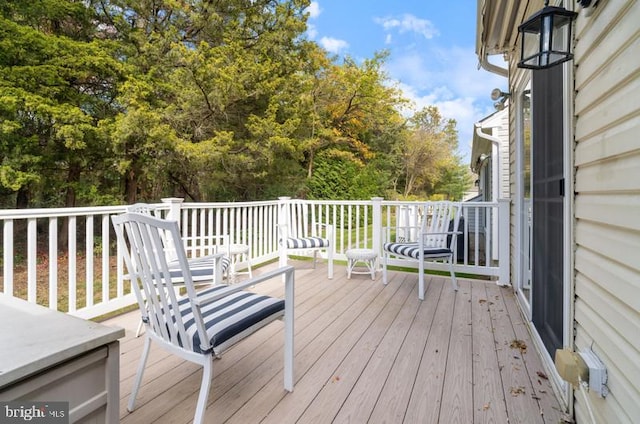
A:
{"x":486,"y":406}
{"x":542,"y":375}
{"x":519,"y":344}
{"x":516,"y":391}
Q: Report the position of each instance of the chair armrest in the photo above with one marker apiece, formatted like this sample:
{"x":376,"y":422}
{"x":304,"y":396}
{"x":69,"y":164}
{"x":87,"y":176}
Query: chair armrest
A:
{"x":204,"y":300}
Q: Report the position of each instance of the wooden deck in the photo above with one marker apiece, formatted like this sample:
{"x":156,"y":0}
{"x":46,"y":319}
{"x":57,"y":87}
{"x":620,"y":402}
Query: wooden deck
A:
{"x":363,"y":353}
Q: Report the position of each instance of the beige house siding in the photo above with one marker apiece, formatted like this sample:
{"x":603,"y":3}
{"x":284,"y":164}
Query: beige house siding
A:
{"x":605,"y":213}
{"x":607,"y":204}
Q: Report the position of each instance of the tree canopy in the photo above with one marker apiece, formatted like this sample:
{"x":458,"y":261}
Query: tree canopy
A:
{"x":112,"y":101}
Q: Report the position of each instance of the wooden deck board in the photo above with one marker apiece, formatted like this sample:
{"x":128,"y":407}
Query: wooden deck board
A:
{"x":458,"y":387}
{"x":426,"y":396}
{"x":540,"y":384}
{"x":488,"y":394}
{"x":364,"y":352}
{"x":393,"y":400}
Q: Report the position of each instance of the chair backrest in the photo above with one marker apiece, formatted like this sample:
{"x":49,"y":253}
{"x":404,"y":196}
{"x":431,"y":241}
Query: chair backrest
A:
{"x":299,"y":220}
{"x":151,"y":276}
{"x":150,"y":210}
{"x":439,"y":219}
{"x":143,"y":208}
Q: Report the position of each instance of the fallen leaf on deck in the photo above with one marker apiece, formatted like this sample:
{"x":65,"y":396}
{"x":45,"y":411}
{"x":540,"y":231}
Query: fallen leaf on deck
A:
{"x":486,"y":406}
{"x":481,"y":301}
{"x":519,"y":344}
{"x":516,"y":391}
{"x":542,"y":375}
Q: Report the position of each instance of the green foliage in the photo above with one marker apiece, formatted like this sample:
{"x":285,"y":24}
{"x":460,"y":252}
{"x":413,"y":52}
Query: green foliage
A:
{"x":338,"y":177}
{"x":126,"y":100}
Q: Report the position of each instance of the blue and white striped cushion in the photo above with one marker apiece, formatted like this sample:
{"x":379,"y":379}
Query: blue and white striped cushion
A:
{"x":202,"y":268}
{"x":232,"y":318}
{"x":306,"y":243}
{"x":412,"y":250}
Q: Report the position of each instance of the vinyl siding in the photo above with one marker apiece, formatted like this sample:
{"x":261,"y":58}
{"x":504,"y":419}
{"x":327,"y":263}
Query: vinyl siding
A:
{"x":607,"y":204}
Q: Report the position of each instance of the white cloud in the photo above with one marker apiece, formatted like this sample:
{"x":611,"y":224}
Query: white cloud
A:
{"x":465,"y":109}
{"x":333,"y":45}
{"x":313,"y":10}
{"x":409,"y":23}
{"x":312,"y":31}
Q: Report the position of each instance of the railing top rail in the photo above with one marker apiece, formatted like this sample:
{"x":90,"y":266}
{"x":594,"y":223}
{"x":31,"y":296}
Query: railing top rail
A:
{"x":59,"y":212}
{"x":205,"y":205}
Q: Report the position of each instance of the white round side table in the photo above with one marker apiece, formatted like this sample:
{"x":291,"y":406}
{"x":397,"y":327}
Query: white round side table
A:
{"x":367,"y":257}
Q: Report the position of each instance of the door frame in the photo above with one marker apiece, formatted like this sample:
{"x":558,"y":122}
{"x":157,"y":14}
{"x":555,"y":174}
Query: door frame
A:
{"x":519,"y":84}
{"x":520,"y":87}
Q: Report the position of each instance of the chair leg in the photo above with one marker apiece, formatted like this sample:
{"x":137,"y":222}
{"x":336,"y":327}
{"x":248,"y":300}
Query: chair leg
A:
{"x":139,"y":330}
{"x":384,"y":268}
{"x":421,"y":281}
{"x":136,"y":384}
{"x":372,"y":268}
{"x":249,"y":266}
{"x":289,"y":333}
{"x":207,"y":375}
{"x":283,"y":257}
{"x":454,"y":282}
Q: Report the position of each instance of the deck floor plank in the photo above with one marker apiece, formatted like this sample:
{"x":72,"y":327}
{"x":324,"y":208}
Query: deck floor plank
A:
{"x":359,"y":406}
{"x":392,"y":402}
{"x":319,"y":359}
{"x":488,"y":395}
{"x":364,"y":353}
{"x":542,"y":391}
{"x":457,"y":396}
{"x":426,"y":397}
{"x":518,"y":392}
{"x":329,"y":400}
{"x":324,"y":324}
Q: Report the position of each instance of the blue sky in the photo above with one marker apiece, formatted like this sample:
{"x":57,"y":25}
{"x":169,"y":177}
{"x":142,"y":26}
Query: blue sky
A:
{"x":432,"y":51}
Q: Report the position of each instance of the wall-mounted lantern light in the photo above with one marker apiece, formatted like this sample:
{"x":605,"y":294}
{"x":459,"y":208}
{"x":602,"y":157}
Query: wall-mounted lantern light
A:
{"x":546,"y":38}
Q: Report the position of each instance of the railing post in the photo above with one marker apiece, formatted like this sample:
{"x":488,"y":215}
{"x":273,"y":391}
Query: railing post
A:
{"x":504,"y":253}
{"x":8,"y":256}
{"x":175,"y":205}
{"x":376,"y":209}
{"x":283,"y":219}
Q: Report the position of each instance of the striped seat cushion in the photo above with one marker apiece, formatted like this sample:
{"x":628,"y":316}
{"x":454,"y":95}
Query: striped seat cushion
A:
{"x":231,"y":318}
{"x":306,"y":243}
{"x":412,"y":250}
{"x":202,"y":268}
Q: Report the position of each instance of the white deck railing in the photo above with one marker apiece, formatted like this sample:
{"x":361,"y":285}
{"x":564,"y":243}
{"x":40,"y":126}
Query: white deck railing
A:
{"x":67,"y":259}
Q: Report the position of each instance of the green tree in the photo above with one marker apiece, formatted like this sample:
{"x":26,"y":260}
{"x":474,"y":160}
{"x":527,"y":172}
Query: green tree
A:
{"x":427,"y":158}
{"x":351,"y":116}
{"x":58,"y":79}
{"x":208,"y":108}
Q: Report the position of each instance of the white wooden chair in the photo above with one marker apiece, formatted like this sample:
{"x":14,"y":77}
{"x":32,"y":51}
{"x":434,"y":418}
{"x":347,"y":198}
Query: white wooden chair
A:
{"x":299,"y":232}
{"x":205,"y":269}
{"x":433,"y":240}
{"x":200,"y":325}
